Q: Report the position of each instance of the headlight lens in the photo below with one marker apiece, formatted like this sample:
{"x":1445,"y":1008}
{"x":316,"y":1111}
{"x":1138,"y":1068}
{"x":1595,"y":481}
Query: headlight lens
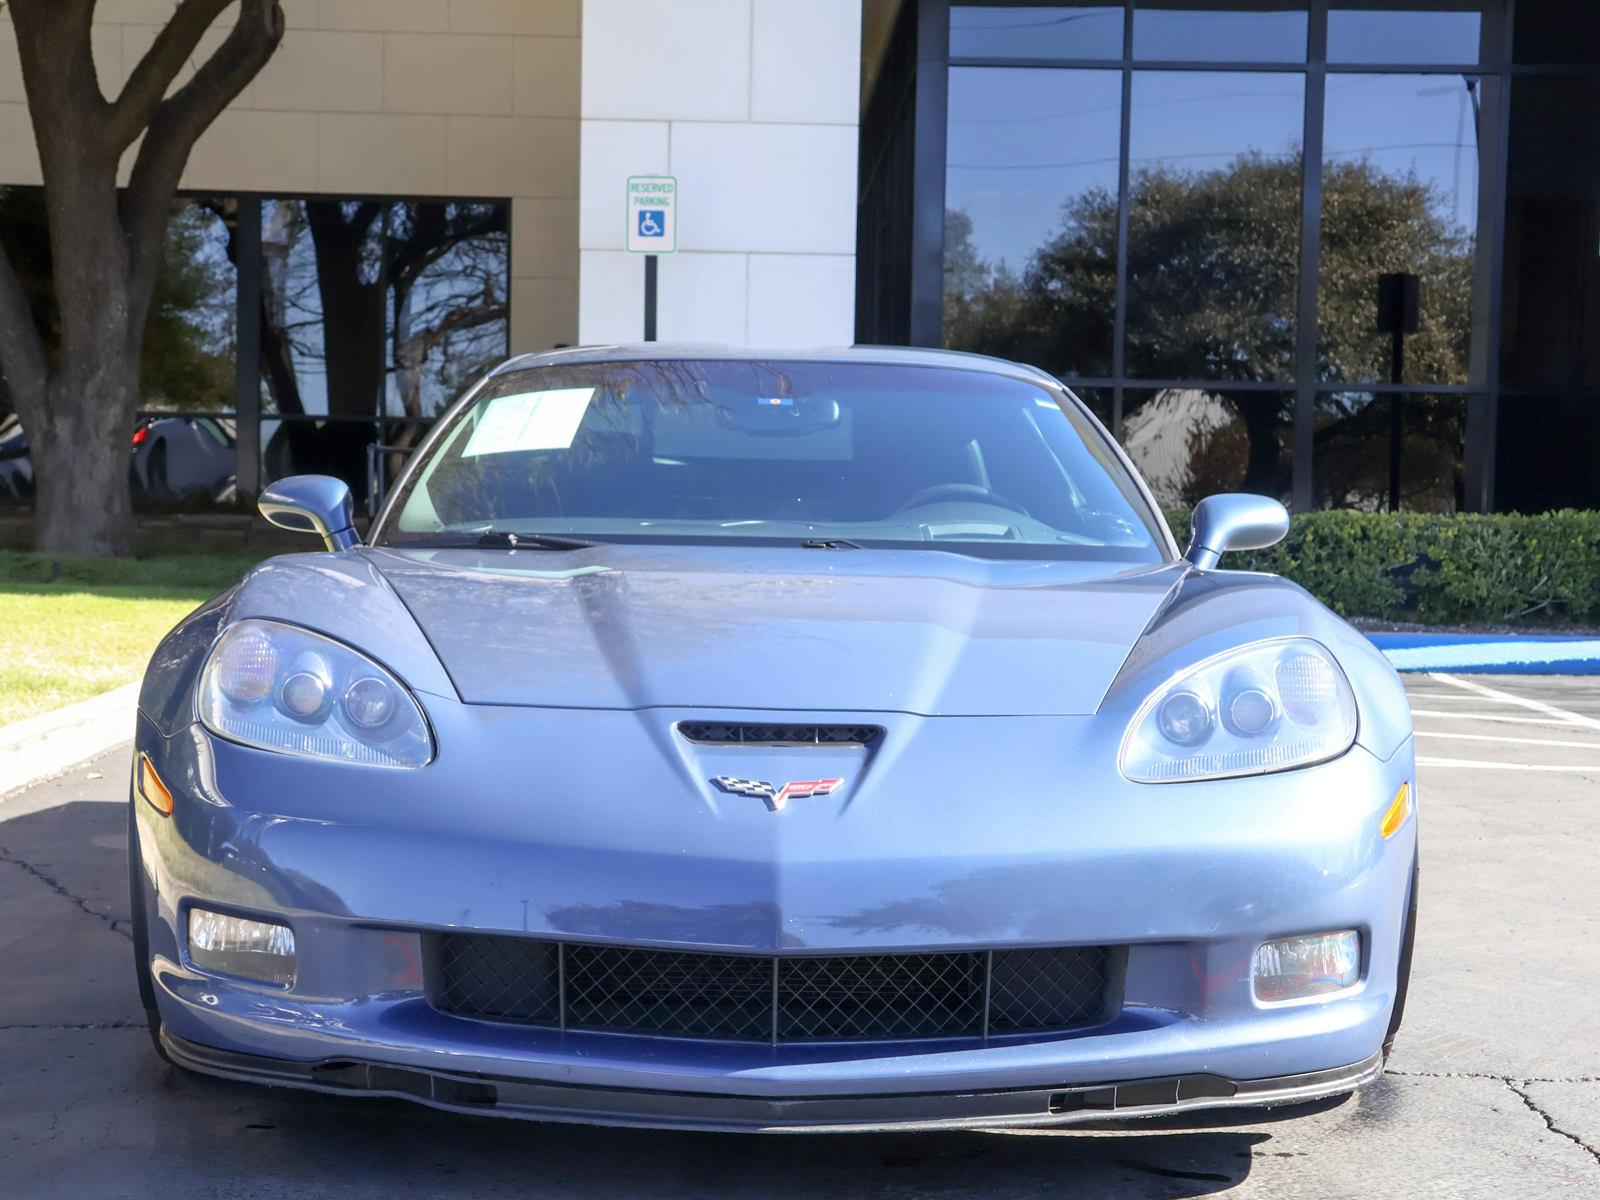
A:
{"x":277,"y":687}
{"x":1268,"y":707}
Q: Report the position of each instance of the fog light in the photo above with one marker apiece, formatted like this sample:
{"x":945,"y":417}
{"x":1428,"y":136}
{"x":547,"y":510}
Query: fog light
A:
{"x":1293,"y":968}
{"x":236,"y":946}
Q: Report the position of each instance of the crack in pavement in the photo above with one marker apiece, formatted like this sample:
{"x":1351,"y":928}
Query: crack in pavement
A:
{"x":1550,"y":1123}
{"x":85,"y":1025}
{"x":1489,"y":1075}
{"x":1518,"y":1087}
{"x":54,"y":885}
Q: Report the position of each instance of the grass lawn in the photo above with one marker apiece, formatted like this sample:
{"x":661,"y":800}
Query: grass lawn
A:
{"x":73,"y":628}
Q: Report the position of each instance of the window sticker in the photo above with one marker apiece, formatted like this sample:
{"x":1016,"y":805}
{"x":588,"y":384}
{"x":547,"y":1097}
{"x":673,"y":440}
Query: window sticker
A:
{"x":546,"y":420}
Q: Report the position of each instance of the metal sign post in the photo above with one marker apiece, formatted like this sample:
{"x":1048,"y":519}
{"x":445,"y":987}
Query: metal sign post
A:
{"x":652,"y":213}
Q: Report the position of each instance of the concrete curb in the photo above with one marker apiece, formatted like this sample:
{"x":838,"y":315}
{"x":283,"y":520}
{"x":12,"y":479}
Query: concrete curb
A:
{"x":1490,"y":654}
{"x":34,"y":750}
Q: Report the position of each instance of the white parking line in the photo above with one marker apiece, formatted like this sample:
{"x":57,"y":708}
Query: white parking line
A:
{"x":1477,"y":716}
{"x":1486,"y":737}
{"x":1424,"y":761}
{"x":1447,"y":697}
{"x":1571,"y":718}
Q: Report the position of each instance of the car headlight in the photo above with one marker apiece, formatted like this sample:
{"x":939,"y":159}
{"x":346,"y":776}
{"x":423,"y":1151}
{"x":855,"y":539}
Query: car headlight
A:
{"x":278,"y":687}
{"x":1272,"y":706}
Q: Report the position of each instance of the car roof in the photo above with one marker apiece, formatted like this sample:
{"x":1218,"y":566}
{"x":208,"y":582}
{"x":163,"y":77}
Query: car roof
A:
{"x":906,"y":356}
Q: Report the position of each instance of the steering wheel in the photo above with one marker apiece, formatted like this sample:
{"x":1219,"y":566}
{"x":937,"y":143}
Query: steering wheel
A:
{"x":960,"y":491}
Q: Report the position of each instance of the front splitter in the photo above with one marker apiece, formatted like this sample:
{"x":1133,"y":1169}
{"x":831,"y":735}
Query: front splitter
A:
{"x":488,"y":1095}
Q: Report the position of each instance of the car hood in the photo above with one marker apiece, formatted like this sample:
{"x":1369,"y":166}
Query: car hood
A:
{"x":630,"y":627}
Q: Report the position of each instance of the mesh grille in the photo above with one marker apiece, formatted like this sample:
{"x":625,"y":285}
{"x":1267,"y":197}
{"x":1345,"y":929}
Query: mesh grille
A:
{"x":506,"y":979}
{"x":654,"y":991}
{"x":880,"y":996}
{"x":716,"y":733}
{"x":1031,"y":990}
{"x":754,"y":998}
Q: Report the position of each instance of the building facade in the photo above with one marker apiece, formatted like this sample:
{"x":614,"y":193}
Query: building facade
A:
{"x":1181,"y":207}
{"x":412,"y":189}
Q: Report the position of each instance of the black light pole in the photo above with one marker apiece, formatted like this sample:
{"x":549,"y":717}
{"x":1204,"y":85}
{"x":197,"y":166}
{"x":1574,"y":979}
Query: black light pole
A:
{"x":1398,"y":311}
{"x":650,"y":297}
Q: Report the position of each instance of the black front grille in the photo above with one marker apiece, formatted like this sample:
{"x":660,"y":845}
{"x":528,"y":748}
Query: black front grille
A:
{"x":718,"y":733}
{"x":756,"y":998}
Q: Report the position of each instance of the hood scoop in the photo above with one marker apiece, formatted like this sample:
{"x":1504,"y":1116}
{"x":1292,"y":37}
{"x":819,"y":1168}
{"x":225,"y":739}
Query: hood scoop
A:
{"x":716,"y":733}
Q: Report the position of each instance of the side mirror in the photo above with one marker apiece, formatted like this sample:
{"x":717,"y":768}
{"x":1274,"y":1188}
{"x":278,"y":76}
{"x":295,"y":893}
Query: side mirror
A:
{"x":318,"y":504}
{"x":1235,"y":521}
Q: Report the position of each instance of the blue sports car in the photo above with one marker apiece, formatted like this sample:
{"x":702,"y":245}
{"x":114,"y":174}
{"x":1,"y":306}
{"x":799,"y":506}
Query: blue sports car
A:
{"x":729,"y":740}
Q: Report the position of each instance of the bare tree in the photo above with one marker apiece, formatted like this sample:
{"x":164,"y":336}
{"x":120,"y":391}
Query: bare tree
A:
{"x":76,"y":393}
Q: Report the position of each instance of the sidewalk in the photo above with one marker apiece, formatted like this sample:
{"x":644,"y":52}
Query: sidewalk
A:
{"x":46,"y":745}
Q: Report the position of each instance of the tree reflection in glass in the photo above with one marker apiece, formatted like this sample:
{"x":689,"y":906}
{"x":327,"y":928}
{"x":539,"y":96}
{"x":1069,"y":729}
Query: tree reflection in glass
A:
{"x":1213,"y":262}
{"x":373,"y":308}
{"x":1030,"y":149}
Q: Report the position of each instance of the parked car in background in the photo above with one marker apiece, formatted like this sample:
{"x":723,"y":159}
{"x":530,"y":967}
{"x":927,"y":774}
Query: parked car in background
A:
{"x":173,"y":459}
{"x":720,"y":740}
{"x":16,"y":468}
{"x":180,"y":458}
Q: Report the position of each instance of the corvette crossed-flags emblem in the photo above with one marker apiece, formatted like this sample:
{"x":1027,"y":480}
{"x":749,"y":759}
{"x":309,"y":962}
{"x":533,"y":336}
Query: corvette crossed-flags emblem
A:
{"x":776,"y":797}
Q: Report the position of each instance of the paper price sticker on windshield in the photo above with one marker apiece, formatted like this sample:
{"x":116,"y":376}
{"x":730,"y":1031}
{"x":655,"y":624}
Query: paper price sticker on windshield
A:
{"x":652,"y":214}
{"x":545,"y":420}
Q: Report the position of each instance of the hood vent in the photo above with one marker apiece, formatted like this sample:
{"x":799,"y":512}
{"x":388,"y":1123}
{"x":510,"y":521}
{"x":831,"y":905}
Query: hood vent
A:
{"x":717,"y":733}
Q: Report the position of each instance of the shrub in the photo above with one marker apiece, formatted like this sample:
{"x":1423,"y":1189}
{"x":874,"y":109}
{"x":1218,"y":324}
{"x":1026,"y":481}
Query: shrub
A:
{"x":1438,"y":569}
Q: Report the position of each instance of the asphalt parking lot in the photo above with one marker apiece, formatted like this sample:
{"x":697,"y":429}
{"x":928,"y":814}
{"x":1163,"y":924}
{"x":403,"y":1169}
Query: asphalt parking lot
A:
{"x":1494,"y":1089}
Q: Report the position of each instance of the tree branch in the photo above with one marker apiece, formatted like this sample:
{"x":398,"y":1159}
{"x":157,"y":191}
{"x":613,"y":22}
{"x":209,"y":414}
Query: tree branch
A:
{"x":177,"y":124}
{"x":22,"y":356}
{"x":148,"y":82}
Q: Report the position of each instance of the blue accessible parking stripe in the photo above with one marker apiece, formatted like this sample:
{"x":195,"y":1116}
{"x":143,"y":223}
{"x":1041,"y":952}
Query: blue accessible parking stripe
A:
{"x":1490,"y":654}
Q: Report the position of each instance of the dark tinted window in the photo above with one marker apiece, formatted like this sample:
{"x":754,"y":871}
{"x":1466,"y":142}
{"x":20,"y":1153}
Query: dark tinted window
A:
{"x":1025,"y":31}
{"x":778,"y":450}
{"x":1031,"y":215}
{"x":1190,"y":443}
{"x":1550,"y":318}
{"x":1557,"y":31}
{"x":1203,"y":31}
{"x":1370,"y":450}
{"x":1400,"y":194}
{"x":1439,"y":34}
{"x":1214,"y":224}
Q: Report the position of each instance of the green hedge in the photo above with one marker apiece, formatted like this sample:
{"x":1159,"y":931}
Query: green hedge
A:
{"x":1437,"y":569}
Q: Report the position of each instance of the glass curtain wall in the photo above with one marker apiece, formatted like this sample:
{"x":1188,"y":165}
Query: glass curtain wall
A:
{"x":289,"y":335}
{"x":374,"y":316}
{"x":1183,"y":207}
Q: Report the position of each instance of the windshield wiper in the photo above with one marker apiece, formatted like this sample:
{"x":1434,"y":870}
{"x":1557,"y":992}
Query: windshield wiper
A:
{"x":508,"y":539}
{"x":513,"y":540}
{"x":829,"y":544}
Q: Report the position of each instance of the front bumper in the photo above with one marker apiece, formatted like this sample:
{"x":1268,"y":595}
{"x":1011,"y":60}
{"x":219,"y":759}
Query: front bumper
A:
{"x":933,"y":849}
{"x":502,"y":1096}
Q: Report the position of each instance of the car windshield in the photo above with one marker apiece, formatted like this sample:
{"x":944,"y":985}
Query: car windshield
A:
{"x":775,"y":451}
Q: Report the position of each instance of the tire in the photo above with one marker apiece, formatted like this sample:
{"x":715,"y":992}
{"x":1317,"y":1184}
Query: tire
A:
{"x":141,"y":936}
{"x":1403,"y":968}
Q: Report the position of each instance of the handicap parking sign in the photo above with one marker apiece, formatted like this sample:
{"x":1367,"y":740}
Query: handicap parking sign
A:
{"x":652,"y":214}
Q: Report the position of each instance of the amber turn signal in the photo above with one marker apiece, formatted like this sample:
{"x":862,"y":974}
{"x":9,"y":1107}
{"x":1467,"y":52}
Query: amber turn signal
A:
{"x":152,"y":789}
{"x":1398,"y":811}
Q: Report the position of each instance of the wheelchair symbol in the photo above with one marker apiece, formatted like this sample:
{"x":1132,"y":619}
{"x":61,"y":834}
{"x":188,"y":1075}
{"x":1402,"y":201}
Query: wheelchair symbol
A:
{"x":652,"y":222}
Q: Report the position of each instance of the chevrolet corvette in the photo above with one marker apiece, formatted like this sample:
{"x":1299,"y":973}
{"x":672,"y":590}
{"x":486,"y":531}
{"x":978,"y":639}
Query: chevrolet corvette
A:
{"x":744,"y":741}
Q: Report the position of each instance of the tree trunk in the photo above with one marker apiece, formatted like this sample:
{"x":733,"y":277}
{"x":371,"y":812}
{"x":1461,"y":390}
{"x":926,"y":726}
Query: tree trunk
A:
{"x":80,"y":462}
{"x":1263,"y":420}
{"x":76,"y":392}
